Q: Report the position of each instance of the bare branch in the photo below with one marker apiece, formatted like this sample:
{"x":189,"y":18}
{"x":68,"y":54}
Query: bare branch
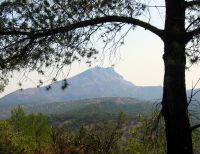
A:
{"x":193,"y":92}
{"x":156,"y":123}
{"x":90,"y":22}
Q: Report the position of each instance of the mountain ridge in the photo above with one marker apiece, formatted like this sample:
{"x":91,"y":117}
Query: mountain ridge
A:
{"x":92,"y":83}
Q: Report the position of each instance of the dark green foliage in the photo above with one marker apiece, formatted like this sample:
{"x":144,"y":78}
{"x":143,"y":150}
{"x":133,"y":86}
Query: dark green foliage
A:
{"x":95,"y":112}
{"x":196,"y":141}
{"x":98,"y":106}
{"x":24,"y":134}
{"x":102,"y":138}
{"x":61,"y":140}
{"x":30,"y":134}
{"x":146,"y":137}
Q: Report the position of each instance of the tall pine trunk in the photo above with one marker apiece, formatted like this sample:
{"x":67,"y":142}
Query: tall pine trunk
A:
{"x":175,"y":111}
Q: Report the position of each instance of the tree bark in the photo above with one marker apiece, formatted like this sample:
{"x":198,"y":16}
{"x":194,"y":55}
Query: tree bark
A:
{"x":175,"y":105}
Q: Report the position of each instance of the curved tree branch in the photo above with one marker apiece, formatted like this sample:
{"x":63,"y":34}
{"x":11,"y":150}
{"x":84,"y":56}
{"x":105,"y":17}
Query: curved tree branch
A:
{"x":195,"y":127}
{"x":188,"y":27}
{"x":192,"y":33}
{"x":192,"y":3}
{"x":90,"y":22}
{"x":14,"y":32}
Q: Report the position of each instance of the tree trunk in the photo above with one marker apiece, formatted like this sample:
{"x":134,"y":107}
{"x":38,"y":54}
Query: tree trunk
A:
{"x":175,"y":111}
{"x":174,"y":103}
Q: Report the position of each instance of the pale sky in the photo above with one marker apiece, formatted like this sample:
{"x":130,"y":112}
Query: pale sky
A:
{"x":140,"y":62}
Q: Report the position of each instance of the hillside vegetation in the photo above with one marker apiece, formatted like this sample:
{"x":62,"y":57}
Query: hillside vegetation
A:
{"x":111,"y":105}
{"x":32,"y":134}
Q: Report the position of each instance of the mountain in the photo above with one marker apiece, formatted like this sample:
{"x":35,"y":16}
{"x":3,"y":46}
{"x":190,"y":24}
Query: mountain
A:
{"x":92,"y":83}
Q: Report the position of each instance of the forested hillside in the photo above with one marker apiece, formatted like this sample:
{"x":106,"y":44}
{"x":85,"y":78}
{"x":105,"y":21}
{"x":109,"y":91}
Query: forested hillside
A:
{"x":108,"y":104}
{"x":119,"y":134}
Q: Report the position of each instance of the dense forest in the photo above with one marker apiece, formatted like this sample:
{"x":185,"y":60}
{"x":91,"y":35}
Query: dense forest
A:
{"x":108,"y":134}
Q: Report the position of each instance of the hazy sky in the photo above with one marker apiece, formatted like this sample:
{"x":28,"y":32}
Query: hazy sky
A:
{"x":140,"y":61}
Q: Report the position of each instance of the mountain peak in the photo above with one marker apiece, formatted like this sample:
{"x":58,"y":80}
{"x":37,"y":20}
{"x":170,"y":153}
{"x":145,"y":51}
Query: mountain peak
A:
{"x":103,"y":68}
{"x":99,"y":73}
{"x":92,"y":83}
